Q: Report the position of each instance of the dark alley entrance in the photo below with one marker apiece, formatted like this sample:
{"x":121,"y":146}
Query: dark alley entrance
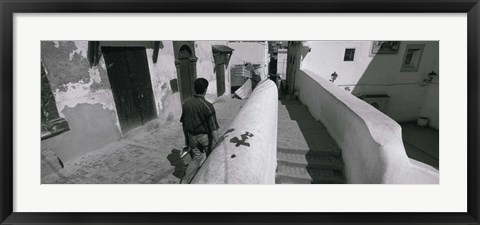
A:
{"x":129,"y":77}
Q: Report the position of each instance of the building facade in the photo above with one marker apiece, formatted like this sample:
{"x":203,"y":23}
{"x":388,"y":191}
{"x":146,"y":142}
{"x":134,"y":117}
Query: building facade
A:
{"x":95,"y":92}
{"x":394,"y":79}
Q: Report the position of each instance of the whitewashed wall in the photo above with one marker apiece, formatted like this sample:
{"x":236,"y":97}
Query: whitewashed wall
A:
{"x":380,"y":73}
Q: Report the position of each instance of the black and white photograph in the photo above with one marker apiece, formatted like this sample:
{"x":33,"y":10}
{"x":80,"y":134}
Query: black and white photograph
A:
{"x":239,"y":112}
{"x":263,"y":112}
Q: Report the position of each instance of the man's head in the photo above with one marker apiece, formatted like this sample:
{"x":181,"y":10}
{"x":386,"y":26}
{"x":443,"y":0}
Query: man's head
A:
{"x":201,"y":85}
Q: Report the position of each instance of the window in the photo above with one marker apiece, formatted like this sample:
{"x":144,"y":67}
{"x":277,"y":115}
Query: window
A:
{"x":411,"y":59}
{"x":349,"y":54}
{"x":52,"y":124}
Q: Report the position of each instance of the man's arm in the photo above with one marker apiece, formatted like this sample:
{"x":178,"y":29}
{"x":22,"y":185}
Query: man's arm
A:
{"x":182,"y":120}
{"x":214,"y":138}
{"x":213,"y":127}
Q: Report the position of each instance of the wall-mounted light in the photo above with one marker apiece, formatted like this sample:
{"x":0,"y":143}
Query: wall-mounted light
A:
{"x":431,"y":76}
{"x":334,"y":76}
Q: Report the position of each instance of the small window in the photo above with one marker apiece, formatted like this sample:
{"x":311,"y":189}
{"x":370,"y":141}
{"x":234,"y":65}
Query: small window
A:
{"x":349,"y":54}
{"x":411,"y":59}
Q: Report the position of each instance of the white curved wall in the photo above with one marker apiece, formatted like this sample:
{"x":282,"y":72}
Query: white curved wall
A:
{"x":380,"y":73}
{"x":371,"y":142}
{"x":230,"y":163}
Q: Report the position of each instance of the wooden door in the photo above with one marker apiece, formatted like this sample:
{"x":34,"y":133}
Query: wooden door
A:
{"x":140,"y":74}
{"x":129,"y":78}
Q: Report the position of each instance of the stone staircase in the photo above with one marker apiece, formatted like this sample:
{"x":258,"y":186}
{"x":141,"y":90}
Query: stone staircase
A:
{"x":306,"y":151}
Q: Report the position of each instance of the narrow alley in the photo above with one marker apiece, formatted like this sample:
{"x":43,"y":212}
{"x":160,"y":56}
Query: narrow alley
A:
{"x":147,"y":155}
{"x":294,"y":112}
{"x":306,"y":151}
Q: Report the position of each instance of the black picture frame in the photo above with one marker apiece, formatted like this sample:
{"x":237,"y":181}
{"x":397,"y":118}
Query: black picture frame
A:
{"x":9,"y":7}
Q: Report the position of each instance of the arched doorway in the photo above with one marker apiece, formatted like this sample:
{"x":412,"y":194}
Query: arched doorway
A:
{"x":185,"y":62}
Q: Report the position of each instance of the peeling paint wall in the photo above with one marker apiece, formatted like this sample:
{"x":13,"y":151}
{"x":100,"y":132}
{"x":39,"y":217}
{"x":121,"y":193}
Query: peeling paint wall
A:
{"x":83,"y":97}
{"x":162,"y":73}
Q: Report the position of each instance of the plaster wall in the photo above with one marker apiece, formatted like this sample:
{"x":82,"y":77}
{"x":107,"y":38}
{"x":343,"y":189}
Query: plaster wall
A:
{"x":371,"y":142}
{"x":431,"y":105}
{"x":376,"y":73}
{"x":168,"y":106}
{"x":163,"y":72}
{"x":83,"y":97}
{"x":206,"y":67}
{"x":247,"y":151}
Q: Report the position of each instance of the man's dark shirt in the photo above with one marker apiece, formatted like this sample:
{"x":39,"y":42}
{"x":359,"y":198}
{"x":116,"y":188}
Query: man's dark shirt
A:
{"x":198,"y":116}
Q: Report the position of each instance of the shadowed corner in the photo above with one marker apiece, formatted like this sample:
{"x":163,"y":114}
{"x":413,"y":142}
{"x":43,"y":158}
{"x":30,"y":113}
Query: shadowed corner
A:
{"x":178,"y":163}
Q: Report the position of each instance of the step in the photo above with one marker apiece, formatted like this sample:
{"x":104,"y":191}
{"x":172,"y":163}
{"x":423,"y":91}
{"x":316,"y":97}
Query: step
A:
{"x":289,"y":102}
{"x":335,"y":152}
{"x":295,"y":112}
{"x":288,"y":97}
{"x":310,"y":160}
{"x":290,"y":136}
{"x":298,"y":175}
{"x":283,"y":114}
{"x":292,"y":125}
{"x":293,"y":107}
{"x":327,"y":176}
{"x":301,"y":145}
{"x":298,"y":136}
{"x":281,"y":178}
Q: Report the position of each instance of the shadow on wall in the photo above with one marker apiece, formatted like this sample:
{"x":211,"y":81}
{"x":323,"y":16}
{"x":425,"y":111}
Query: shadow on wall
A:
{"x":399,"y":94}
{"x":367,"y":154}
{"x":92,"y":127}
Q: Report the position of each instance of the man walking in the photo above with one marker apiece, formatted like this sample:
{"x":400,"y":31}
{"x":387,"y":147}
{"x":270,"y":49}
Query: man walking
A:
{"x":200,"y":127}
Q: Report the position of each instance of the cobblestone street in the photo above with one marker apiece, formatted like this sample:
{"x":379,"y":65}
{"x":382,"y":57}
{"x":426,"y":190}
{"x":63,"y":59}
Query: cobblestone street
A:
{"x":147,"y":155}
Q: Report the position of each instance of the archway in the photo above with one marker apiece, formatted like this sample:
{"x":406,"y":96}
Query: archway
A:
{"x":186,"y":68}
